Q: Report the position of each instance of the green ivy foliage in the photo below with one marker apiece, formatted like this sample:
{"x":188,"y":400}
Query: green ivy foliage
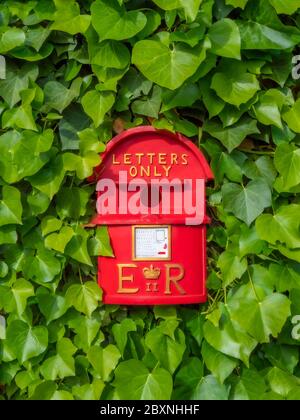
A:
{"x":78,"y":72}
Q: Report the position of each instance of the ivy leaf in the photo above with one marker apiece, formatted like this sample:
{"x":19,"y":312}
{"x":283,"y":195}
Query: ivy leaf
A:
{"x":83,"y":165}
{"x":223,"y":164}
{"x":3,"y":269}
{"x":97,"y":104}
{"x":282,"y":382}
{"x":68,"y":18}
{"x":185,"y":96}
{"x":58,"y":97}
{"x":8,"y":235}
{"x":38,"y":202}
{"x":50,"y":224}
{"x":62,"y":364}
{"x":287,"y":162}
{"x":283,"y":357}
{"x":100,"y":243}
{"x":104,"y":360}
{"x":35,"y":38}
{"x":49,"y":179}
{"x":20,"y":117}
{"x":194,"y":321}
{"x":187,"y":379}
{"x":247,"y":203}
{"x":52,"y":306}
{"x":22,"y":154}
{"x":168,"y":351}
{"x":15,"y":298}
{"x":42,"y":267}
{"x":112,"y":21}
{"x":59,"y":241}
{"x":231,"y":137}
{"x":24,"y":341}
{"x":17,"y":79}
{"x":110,"y":53}
{"x":229,"y":45}
{"x":72,"y":202}
{"x":89,"y":392}
{"x":120,"y":332}
{"x":210,"y":389}
{"x":233,"y":84}
{"x":213,"y":103}
{"x":77,"y":247}
{"x":230,"y":339}
{"x":291,"y":117}
{"x":287,"y":8}
{"x":261,"y":316}
{"x":144,"y":385}
{"x":287,"y":276}
{"x":168,"y":4}
{"x":263,"y":168}
{"x":251,"y":386}
{"x":73,"y":122}
{"x":86,"y":330}
{"x":10,"y":39}
{"x":232,"y":266}
{"x":190,"y":384}
{"x":84,"y":297}
{"x":10,"y":206}
{"x":283,"y":227}
{"x":219,"y":364}
{"x":167,"y":68}
{"x":191,"y":7}
{"x":256,"y":36}
{"x":44,"y":391}
{"x":237,"y":3}
{"x":149,"y":107}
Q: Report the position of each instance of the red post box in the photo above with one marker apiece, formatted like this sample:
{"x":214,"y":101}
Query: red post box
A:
{"x":151,"y":195}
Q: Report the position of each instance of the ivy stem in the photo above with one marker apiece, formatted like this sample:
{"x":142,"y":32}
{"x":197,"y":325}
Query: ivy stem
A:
{"x":252,"y":285}
{"x":225,"y":296}
{"x":80,"y":276}
{"x":254,"y":152}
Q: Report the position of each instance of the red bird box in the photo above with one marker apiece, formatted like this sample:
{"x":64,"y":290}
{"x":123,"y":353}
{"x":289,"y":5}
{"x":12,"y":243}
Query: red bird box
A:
{"x":151,"y":195}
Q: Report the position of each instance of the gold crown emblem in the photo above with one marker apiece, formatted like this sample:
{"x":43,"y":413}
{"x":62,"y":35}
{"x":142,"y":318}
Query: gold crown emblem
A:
{"x":151,"y":273}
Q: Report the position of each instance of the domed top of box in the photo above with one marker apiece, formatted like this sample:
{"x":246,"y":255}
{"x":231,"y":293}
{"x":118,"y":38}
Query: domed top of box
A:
{"x":147,"y":153}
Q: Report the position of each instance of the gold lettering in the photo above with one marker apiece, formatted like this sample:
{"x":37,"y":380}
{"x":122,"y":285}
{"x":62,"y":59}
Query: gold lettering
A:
{"x":156,"y":173}
{"x":167,"y":169}
{"x":139,"y":157}
{"x":151,"y":157}
{"x":174,"y":279}
{"x":152,"y":287}
{"x":133,"y":171}
{"x":174,"y":159}
{"x":145,"y":171}
{"x":162,"y":158}
{"x":122,"y":279}
{"x":115,"y":161}
{"x":184,"y":159}
{"x":127,"y":159}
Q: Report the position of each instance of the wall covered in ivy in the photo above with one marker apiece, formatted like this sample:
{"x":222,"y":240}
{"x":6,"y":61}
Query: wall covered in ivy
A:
{"x":75,"y":73}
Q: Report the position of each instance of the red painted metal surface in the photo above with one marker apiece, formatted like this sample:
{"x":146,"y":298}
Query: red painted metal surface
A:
{"x":177,"y":274}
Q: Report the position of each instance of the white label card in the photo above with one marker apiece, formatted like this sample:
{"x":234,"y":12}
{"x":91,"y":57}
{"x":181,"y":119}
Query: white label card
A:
{"x":152,"y":243}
